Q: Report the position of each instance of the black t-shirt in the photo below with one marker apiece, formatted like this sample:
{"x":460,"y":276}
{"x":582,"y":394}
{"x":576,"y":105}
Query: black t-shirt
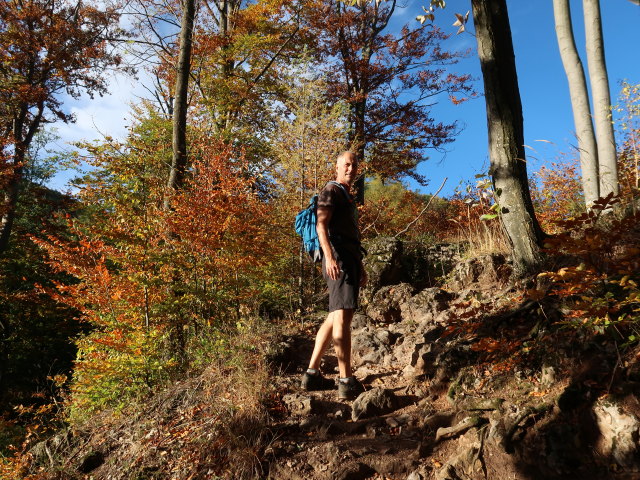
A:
{"x":343,"y":226}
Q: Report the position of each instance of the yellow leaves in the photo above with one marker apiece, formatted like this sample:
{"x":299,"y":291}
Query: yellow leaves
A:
{"x":626,"y":281}
{"x":539,"y":393}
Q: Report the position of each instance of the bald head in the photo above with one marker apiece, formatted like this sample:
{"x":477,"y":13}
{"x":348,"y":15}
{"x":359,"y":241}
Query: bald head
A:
{"x":347,"y":154}
{"x":346,"y":167}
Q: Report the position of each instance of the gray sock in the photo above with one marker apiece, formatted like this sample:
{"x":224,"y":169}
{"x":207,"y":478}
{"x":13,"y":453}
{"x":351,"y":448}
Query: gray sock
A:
{"x":313,"y":371}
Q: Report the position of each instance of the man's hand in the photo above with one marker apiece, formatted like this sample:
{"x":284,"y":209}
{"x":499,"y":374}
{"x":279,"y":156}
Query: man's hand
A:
{"x":333,"y":269}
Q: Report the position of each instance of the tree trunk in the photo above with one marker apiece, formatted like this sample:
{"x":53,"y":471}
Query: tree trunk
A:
{"x":506,"y":137}
{"x":579,"y":101}
{"x":24,"y":129}
{"x":177,"y":337}
{"x":9,"y":205}
{"x":608,"y":167}
{"x":358,"y":81}
{"x":179,"y":160}
{"x":359,"y":109}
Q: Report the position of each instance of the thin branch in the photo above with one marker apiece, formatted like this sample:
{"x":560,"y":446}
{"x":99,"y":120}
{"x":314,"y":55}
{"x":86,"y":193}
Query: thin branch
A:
{"x":276,"y":55}
{"x":423,"y":210}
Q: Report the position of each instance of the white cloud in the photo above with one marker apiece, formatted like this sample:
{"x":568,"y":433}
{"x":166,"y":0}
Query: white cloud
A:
{"x":96,"y":118}
{"x":100,"y":116}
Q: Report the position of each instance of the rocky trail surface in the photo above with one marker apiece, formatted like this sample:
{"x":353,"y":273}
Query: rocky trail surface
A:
{"x":467,"y":381}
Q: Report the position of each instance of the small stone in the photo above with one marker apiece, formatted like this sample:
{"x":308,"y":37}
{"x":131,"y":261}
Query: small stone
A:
{"x":300,"y":404}
{"x":392,"y":422}
{"x":548,"y":376}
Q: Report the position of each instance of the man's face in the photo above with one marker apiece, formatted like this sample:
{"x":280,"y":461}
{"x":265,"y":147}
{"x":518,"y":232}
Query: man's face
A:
{"x":347,"y":169}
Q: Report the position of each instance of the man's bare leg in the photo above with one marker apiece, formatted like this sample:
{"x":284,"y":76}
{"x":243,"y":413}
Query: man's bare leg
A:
{"x":323,"y":338}
{"x":342,"y":340}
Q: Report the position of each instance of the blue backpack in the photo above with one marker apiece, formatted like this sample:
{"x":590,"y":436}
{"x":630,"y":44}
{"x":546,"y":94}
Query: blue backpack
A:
{"x":306,"y":221}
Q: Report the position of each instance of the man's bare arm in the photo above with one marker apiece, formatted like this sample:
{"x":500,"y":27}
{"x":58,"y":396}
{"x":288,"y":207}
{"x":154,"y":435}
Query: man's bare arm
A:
{"x":322,"y":227}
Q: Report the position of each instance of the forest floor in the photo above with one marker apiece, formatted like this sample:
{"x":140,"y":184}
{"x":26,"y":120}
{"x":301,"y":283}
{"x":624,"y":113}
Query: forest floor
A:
{"x":529,"y":408}
{"x":466,"y":382}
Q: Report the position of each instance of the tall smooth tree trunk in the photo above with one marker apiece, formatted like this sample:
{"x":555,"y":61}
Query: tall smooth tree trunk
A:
{"x":227,"y":10}
{"x":506,"y":132}
{"x":607,"y":158}
{"x":177,"y":338}
{"x":579,"y":94}
{"x":179,"y":160}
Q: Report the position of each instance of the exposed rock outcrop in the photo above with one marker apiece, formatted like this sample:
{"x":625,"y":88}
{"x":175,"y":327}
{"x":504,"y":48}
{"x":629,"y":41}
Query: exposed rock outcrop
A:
{"x":463,"y":383}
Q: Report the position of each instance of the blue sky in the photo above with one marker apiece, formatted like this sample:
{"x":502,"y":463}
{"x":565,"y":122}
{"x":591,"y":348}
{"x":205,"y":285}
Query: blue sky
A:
{"x":548,"y":121}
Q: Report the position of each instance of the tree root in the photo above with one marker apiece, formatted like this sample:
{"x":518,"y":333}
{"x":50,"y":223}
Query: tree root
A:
{"x":507,"y":441}
{"x":464,"y":425}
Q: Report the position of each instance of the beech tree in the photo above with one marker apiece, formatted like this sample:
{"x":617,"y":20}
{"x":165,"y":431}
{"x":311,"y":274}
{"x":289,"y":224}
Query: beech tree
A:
{"x":241,"y":57}
{"x":506,"y":132}
{"x":390,"y":82}
{"x":129,"y":256}
{"x":597,"y":150}
{"x":608,"y":171}
{"x":578,"y":92}
{"x":508,"y":169}
{"x":183,"y":71}
{"x":47,"y":48}
{"x":238,"y":51}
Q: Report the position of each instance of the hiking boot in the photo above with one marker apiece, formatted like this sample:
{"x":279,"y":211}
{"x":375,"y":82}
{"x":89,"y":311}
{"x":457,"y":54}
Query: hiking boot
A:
{"x":316,"y":382}
{"x":350,"y":389}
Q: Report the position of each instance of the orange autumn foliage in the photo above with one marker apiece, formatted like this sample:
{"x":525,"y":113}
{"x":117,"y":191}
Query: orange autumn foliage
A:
{"x":557,"y":194}
{"x":151,"y":282}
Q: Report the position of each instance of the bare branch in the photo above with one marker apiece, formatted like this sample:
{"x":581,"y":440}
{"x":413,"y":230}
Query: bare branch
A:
{"x":423,"y":210}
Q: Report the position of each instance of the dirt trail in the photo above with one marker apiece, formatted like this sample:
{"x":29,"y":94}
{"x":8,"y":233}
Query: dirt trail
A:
{"x":317,"y":438}
{"x":499,"y":396}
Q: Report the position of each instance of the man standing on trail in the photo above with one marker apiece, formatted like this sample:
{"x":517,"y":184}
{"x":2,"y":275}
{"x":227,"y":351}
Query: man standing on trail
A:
{"x":344,"y":273}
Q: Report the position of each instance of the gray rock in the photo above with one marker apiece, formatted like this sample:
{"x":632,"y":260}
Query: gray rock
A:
{"x":548,"y":376}
{"x":420,"y":474}
{"x":385,"y":306}
{"x":377,"y":401}
{"x":47,"y":451}
{"x":300,"y":404}
{"x":424,"y":266}
{"x":463,"y":465}
{"x":426,"y":305}
{"x":383,"y":264}
{"x":359,"y":321}
{"x":485,"y":272}
{"x":427,"y":348}
{"x":372,"y":346}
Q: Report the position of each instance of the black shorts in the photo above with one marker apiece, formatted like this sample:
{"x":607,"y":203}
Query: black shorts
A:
{"x":343,"y":292}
